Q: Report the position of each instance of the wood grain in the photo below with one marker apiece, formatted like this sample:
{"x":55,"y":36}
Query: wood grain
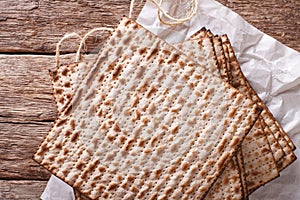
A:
{"x":18,"y":142}
{"x":36,"y":26}
{"x":29,"y":31}
{"x":25,"y":89}
{"x":24,"y":190}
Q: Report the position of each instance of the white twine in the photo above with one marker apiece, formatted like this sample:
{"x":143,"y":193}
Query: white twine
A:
{"x":162,"y":12}
{"x":176,"y":21}
{"x":66,"y":36}
{"x":131,"y":8}
{"x":82,"y":43}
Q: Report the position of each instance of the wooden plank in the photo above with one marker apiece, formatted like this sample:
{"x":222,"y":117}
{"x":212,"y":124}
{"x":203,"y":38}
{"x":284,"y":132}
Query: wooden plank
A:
{"x":25,"y":89}
{"x":26,"y":111}
{"x":18,"y":143}
{"x":36,"y":26}
{"x":25,"y":190}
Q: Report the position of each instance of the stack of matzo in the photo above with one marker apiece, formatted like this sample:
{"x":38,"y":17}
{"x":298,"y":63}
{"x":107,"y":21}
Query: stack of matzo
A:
{"x":148,"y":121}
{"x":267,"y":149}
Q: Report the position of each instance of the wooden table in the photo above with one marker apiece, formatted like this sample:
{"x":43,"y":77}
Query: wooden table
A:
{"x":29,"y":31}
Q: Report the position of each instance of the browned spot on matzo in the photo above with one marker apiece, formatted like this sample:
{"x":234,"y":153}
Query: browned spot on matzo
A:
{"x":117,"y":71}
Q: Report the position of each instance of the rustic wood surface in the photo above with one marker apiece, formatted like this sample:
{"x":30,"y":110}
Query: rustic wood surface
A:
{"x":29,"y":31}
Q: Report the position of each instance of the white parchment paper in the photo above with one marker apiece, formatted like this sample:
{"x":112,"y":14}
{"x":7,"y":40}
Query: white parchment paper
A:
{"x":272,"y":69}
{"x":56,"y":189}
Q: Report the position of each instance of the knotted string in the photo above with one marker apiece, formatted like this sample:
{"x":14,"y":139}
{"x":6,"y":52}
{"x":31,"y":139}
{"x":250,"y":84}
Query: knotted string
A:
{"x":82,"y":43}
{"x":66,"y":36}
{"x":161,"y":12}
{"x":191,"y":13}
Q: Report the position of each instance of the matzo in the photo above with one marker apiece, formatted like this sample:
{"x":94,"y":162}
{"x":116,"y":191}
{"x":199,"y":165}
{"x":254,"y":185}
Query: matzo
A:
{"x":222,"y":64}
{"x":131,"y":132}
{"x":260,"y":165}
{"x":204,"y":54}
{"x":258,"y":177}
{"x":256,"y":98}
{"x":255,"y":147}
{"x":230,"y":177}
{"x":239,"y":79}
{"x":65,"y":81}
{"x":242,"y":171}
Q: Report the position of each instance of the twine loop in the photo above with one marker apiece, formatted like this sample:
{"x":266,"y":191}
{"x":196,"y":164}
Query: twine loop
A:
{"x":163,"y":16}
{"x":81,"y":45}
{"x":65,"y":37}
{"x":166,"y":18}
